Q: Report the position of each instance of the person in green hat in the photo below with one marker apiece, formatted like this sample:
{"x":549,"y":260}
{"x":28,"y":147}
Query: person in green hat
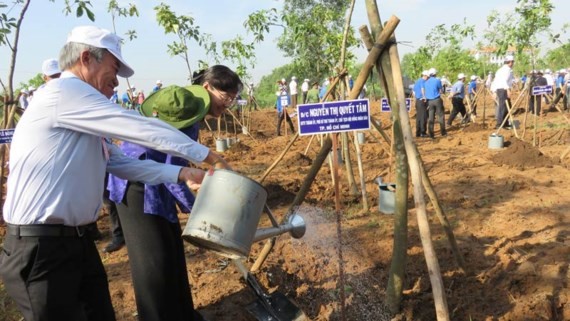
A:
{"x":148,"y":214}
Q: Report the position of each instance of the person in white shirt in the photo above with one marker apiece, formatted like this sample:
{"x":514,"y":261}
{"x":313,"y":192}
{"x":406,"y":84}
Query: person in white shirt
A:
{"x":293,"y":91}
{"x":502,"y":85}
{"x":60,"y":153}
{"x":305,"y":90}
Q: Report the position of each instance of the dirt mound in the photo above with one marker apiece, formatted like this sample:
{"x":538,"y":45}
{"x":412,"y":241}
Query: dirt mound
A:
{"x":522,"y":155}
{"x":474,"y":127}
{"x":299,"y":159}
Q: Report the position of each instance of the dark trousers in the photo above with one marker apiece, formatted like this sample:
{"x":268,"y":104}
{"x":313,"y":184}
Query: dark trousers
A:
{"x":531,"y":103}
{"x":284,"y":115}
{"x":158,"y":264}
{"x":458,"y":108}
{"x":502,"y":112}
{"x":435,"y":106}
{"x":421,"y":117}
{"x":305,"y":97}
{"x":294,"y":101}
{"x":56,"y":278}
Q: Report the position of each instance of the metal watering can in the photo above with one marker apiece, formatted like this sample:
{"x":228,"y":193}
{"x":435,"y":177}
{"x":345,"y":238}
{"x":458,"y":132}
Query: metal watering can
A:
{"x":226,"y":213}
{"x":224,"y":219}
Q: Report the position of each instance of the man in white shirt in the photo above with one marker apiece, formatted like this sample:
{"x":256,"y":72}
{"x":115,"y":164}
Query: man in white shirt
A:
{"x":502,"y":85}
{"x":293,"y":91}
{"x":305,"y":90}
{"x":60,"y":153}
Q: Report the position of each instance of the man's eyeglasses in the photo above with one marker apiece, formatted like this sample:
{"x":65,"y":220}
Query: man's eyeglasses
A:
{"x":225,"y":98}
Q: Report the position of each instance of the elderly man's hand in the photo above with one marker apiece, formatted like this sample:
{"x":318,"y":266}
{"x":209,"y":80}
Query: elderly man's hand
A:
{"x":192,"y":176}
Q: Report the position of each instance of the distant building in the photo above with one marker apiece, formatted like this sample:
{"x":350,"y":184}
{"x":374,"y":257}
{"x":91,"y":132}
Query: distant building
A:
{"x":490,"y":55}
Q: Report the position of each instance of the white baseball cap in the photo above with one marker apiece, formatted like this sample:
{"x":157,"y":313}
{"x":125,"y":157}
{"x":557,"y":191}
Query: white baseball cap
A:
{"x":294,"y":78}
{"x":102,"y":38}
{"x":425,"y":73}
{"x":461,"y":76}
{"x":432,"y":71}
{"x":509,"y":58}
{"x":158,"y":82}
{"x":50,"y":67}
{"x":473,"y":77}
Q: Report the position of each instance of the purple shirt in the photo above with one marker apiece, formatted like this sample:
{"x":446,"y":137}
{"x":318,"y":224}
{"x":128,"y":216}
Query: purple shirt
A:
{"x":159,"y":199}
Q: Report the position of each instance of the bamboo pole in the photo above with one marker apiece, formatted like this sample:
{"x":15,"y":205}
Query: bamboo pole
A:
{"x":279,"y":158}
{"x":365,"y":205}
{"x":438,"y":289}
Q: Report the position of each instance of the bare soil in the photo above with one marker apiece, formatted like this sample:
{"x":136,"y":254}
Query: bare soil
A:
{"x":507,"y":208}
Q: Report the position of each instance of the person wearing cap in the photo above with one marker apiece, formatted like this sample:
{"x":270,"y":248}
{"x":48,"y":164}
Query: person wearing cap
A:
{"x":50,"y":70}
{"x":502,"y":85}
{"x":472,"y":91}
{"x":560,"y":91}
{"x":157,"y":86}
{"x":251,"y":101}
{"x":433,"y":90}
{"x":537,"y":79}
{"x":281,"y":105}
{"x":293,"y":91}
{"x":305,"y":90}
{"x":23,"y":99}
{"x":156,"y":256}
{"x":421,"y":105}
{"x":313,"y":94}
{"x":60,"y":153}
{"x":457,"y":95}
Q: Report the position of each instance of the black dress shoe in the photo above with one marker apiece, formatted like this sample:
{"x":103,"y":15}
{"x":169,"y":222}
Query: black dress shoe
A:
{"x":113,"y":246}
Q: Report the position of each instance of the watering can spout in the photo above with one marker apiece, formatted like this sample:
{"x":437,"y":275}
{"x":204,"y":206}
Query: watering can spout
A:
{"x":295,"y":225}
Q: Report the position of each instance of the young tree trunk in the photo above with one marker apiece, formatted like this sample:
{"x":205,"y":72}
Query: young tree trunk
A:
{"x":396,"y":277}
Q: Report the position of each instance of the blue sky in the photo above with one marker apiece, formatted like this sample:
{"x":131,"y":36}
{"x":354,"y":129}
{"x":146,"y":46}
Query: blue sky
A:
{"x":45,"y":29}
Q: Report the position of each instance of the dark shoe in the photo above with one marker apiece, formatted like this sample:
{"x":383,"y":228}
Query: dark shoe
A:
{"x":113,"y":246}
{"x":444,"y":134}
{"x":423,"y":135}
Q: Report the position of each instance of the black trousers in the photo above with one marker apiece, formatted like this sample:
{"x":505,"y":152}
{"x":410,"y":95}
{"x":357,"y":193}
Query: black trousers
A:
{"x":158,"y":264}
{"x":284,"y":115}
{"x":305,"y":97}
{"x":56,"y":278}
{"x":458,"y":108}
{"x":421,"y":117}
{"x":531,"y":103}
{"x":435,"y":106}
{"x":502,"y":112}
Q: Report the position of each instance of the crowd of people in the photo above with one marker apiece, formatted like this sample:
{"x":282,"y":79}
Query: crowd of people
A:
{"x":428,"y":91}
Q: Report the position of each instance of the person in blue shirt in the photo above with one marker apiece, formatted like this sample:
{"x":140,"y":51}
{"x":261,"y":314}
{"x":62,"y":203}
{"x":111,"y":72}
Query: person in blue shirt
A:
{"x":158,"y":86}
{"x":433,"y":89}
{"x":560,"y":93}
{"x":472,"y":91}
{"x":148,"y":213}
{"x":457,"y":94}
{"x":421,"y":105}
{"x":282,"y":102}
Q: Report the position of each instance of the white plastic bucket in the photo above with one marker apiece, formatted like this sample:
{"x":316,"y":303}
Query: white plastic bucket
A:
{"x":496,"y":141}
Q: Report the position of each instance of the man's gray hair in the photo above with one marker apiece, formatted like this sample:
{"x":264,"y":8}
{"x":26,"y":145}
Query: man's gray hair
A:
{"x":71,"y":52}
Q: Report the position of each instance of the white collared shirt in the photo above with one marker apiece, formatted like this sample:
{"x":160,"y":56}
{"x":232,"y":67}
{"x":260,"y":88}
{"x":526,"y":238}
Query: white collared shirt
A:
{"x":58,"y":161}
{"x":504,"y":78}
